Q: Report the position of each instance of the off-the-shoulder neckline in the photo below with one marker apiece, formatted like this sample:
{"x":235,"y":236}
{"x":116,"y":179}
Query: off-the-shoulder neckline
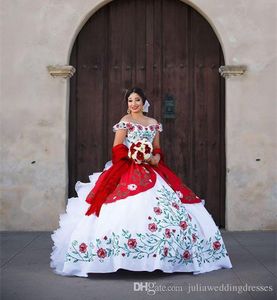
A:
{"x":140,"y":124}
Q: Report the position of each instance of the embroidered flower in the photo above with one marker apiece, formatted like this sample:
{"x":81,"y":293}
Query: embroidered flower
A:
{"x":167,"y":233}
{"x":102,"y":253}
{"x":186,"y":254}
{"x":216,"y":245}
{"x":183,"y":225}
{"x":179,"y":194}
{"x":157,"y":210}
{"x":175,"y":205}
{"x":152,"y":227}
{"x":83,"y":248}
{"x":132,"y":243}
{"x":132,"y":187}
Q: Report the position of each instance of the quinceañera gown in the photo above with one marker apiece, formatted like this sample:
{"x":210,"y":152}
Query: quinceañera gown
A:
{"x":136,"y":217}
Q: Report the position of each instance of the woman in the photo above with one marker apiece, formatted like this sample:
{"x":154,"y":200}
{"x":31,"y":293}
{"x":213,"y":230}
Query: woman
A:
{"x":136,"y":214}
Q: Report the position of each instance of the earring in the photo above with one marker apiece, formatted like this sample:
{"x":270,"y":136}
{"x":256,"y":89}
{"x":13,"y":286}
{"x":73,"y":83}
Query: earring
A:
{"x":128,"y":111}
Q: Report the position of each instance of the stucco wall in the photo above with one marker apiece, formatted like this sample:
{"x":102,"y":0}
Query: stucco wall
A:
{"x":34,"y":108}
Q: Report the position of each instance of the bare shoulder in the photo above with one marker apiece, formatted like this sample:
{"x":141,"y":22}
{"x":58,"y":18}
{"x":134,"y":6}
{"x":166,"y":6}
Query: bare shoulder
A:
{"x":125,"y":118}
{"x":152,"y":121}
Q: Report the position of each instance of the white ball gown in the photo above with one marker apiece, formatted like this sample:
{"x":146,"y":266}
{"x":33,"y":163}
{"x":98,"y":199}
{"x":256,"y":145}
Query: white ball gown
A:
{"x":144,"y":231}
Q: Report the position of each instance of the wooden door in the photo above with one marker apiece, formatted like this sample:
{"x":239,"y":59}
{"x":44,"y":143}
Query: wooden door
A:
{"x":171,"y":51}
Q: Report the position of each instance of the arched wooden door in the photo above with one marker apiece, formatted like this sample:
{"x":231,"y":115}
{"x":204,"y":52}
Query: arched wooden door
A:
{"x":170,"y":50}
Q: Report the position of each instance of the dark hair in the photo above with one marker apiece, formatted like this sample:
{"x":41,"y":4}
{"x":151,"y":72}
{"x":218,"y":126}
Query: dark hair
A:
{"x":136,"y":90}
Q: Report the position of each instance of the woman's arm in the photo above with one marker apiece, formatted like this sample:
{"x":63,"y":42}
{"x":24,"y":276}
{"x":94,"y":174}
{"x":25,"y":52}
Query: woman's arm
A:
{"x":119,"y":136}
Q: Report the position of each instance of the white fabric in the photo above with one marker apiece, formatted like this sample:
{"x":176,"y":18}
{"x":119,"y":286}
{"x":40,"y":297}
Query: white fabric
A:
{"x":132,"y":215}
{"x":145,"y":106}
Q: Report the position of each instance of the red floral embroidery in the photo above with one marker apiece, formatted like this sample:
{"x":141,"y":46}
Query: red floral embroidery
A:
{"x":167,"y":233}
{"x":83,"y":248}
{"x":175,"y":205}
{"x":157,"y":210}
{"x":183,"y":225}
{"x":152,"y":227}
{"x":216,"y":245}
{"x":132,"y":243}
{"x":186,"y":254}
{"x":102,"y":253}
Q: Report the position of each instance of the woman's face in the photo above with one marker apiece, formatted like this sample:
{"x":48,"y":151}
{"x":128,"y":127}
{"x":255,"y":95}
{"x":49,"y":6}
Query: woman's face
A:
{"x":135,"y":103}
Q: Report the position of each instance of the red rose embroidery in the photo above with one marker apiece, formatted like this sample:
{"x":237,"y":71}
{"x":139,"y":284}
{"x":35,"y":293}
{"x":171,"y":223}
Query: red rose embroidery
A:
{"x":139,"y":127}
{"x":167,"y":233}
{"x":152,"y":227}
{"x":132,"y":243}
{"x":102,"y":253}
{"x":138,"y":144}
{"x":216,"y":245}
{"x":165,"y":251}
{"x":157,"y":210}
{"x":83,"y":248}
{"x":175,"y":205}
{"x":186,"y":254}
{"x":151,"y":128}
{"x":183,"y":225}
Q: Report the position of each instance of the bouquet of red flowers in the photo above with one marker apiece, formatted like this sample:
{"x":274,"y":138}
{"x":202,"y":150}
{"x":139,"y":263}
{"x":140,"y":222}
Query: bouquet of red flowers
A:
{"x":140,"y":150}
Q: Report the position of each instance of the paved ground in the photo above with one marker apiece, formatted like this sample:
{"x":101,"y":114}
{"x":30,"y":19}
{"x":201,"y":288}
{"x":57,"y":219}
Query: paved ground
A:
{"x":26,"y":273}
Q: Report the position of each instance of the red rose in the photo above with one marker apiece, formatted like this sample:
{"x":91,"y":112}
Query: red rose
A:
{"x":157,"y":210}
{"x":140,"y":155}
{"x":165,"y":251}
{"x":152,"y":227}
{"x":151,"y":127}
{"x":139,"y":127}
{"x":186,"y":254}
{"x":167,"y":233}
{"x":132,"y":243}
{"x":138,"y":144}
{"x":216,"y":245}
{"x":183,"y":225}
{"x":102,"y":253}
{"x":147,"y":149}
{"x":83,"y":247}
